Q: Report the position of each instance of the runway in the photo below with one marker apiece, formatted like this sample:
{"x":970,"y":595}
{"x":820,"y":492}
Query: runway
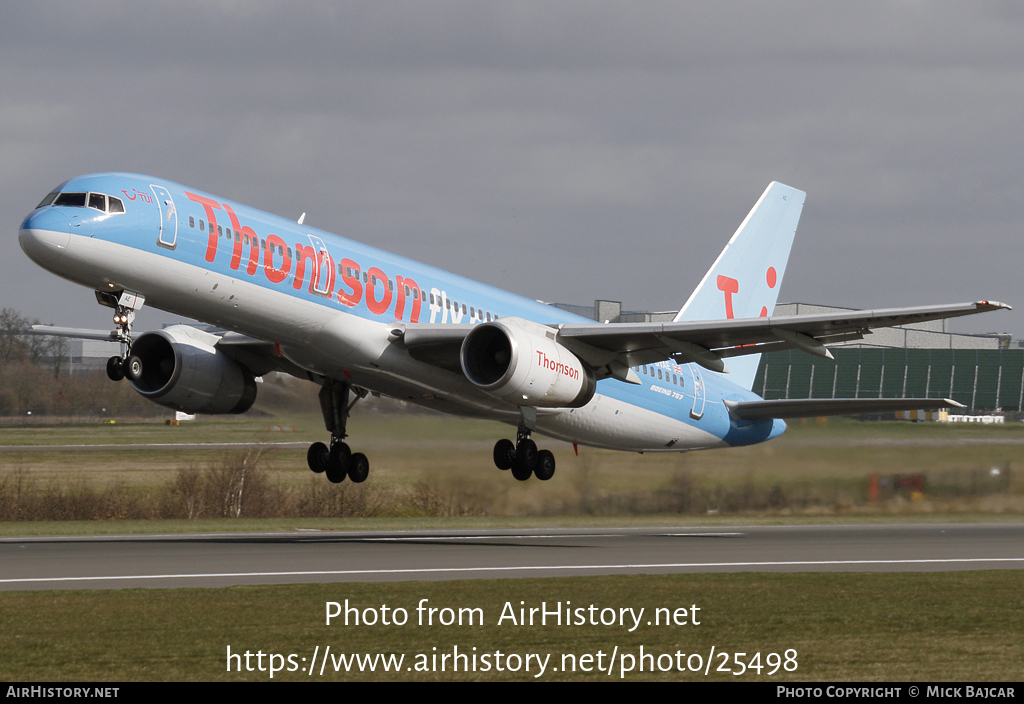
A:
{"x":225,"y":559}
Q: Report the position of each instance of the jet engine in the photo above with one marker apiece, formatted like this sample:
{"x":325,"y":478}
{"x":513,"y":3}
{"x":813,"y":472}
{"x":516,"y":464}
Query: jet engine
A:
{"x":520,"y":361}
{"x":181,"y":369}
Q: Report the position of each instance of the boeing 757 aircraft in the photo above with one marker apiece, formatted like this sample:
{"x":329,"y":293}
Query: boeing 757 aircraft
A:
{"x":355,"y":319}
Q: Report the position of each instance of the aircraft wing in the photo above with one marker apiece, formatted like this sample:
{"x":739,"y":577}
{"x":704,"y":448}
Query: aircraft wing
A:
{"x":612,"y":348}
{"x":809,"y":407}
{"x":79,"y":333}
{"x":708,"y":343}
{"x":435,"y":344}
{"x":259,"y":356}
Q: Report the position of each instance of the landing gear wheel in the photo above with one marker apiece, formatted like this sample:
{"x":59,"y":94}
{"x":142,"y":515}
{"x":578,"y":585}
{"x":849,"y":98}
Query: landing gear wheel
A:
{"x":341,"y":454}
{"x":133,"y":368}
{"x":358,"y":468}
{"x":338,"y":460}
{"x":318,"y":457}
{"x":526,"y":459}
{"x":545,"y":468}
{"x":114,"y":369}
{"x":526,"y":453}
{"x":520,"y":472}
{"x":504,"y":454}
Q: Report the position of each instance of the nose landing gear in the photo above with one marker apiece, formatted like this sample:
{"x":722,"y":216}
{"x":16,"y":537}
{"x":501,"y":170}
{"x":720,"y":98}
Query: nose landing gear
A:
{"x":124,"y":304}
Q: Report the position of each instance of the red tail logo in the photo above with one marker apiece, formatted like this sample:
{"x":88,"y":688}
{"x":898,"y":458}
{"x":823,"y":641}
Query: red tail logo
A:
{"x":728,"y":287}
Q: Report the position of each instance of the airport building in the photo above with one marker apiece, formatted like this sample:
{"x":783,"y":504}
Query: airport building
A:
{"x":983,"y":372}
{"x":89,"y":355}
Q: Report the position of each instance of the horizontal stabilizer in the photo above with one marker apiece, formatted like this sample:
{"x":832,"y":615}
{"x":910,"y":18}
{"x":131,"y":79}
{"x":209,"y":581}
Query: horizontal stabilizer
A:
{"x":809,"y":407}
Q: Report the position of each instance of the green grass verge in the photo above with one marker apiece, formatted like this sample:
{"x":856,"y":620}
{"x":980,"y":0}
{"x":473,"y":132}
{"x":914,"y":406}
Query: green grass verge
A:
{"x":953,"y":626}
{"x":816,"y":471}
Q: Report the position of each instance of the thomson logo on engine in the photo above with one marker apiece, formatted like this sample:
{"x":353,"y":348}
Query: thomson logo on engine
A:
{"x":557,"y":367}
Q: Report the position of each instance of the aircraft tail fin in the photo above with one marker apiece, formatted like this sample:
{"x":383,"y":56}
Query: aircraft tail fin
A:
{"x":744,"y":281}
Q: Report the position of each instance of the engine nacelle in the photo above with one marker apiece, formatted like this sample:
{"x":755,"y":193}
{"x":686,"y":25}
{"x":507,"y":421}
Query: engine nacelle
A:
{"x":519,"y":361}
{"x":181,"y":369}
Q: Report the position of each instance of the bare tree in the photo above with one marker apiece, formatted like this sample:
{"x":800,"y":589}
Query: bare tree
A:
{"x":12,"y":342}
{"x":56,"y":349}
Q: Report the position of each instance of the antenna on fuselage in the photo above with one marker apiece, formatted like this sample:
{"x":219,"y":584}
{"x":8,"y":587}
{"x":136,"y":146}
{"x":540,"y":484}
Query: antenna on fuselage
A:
{"x":301,"y":218}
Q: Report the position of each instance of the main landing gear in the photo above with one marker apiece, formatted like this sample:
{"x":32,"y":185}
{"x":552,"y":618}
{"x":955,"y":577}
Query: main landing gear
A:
{"x":523,"y":457}
{"x":124,"y":304}
{"x":338,"y":461}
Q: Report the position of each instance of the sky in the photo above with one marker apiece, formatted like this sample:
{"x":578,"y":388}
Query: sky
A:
{"x":565,"y":151}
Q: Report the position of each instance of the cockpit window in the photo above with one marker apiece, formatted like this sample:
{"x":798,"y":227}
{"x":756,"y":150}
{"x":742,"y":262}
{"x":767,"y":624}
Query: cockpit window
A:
{"x":74,"y":200}
{"x":48,"y":199}
{"x":98,"y":201}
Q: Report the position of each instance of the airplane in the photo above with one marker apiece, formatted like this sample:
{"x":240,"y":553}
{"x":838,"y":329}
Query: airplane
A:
{"x":285,"y":297}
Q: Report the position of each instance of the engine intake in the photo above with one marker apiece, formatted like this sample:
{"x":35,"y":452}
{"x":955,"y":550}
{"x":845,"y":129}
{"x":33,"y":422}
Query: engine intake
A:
{"x":180,"y":370}
{"x":520,"y":362}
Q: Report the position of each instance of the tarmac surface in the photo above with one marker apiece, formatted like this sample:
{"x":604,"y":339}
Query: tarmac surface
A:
{"x":224,"y":559}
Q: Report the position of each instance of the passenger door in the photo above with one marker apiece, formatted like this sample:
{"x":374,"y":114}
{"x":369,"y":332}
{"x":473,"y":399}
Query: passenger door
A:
{"x":168,"y":235}
{"x":697,"y":412}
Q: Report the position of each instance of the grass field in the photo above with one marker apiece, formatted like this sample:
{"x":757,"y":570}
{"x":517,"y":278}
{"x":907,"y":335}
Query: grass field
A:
{"x":958,"y":626}
{"x":815,"y":469}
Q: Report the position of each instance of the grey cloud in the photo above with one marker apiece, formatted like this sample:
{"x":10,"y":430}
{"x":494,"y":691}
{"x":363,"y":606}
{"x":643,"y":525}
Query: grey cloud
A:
{"x":563,"y":150}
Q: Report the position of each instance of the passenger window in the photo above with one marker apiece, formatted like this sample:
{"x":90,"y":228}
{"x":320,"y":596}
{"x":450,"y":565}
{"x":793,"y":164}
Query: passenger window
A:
{"x":114,"y":205}
{"x":220,"y":230}
{"x":191,"y":221}
{"x":659,"y":373}
{"x":447,"y":304}
{"x":98,"y":201}
{"x":424,"y":295}
{"x":364,"y":277}
{"x":289,"y":252}
{"x":463,"y":308}
{"x":472,"y":312}
{"x":391,"y":285}
{"x":238,"y":237}
{"x":74,"y":200}
{"x":202,"y":226}
{"x":407,"y":292}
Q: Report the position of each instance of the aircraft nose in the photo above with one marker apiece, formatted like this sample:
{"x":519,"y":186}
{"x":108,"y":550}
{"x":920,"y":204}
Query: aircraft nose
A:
{"x":44,"y":235}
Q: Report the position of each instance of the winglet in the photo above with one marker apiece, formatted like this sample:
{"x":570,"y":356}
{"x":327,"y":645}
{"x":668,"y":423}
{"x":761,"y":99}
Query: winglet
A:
{"x":992,"y":305}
